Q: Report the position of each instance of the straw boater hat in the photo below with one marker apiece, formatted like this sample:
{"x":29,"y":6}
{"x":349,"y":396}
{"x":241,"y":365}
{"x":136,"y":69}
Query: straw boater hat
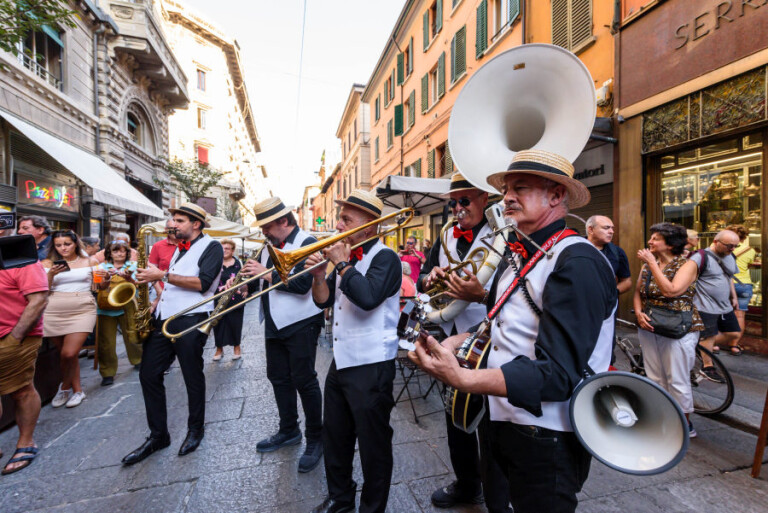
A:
{"x":364,"y":201}
{"x":269,"y":210}
{"x":459,"y":183}
{"x":547,"y":165}
{"x":194,"y":212}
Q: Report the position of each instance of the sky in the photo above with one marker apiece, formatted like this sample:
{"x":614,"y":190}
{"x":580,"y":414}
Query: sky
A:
{"x":343,"y":40}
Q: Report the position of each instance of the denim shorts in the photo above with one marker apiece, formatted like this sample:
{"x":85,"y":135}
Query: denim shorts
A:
{"x":744,"y":294}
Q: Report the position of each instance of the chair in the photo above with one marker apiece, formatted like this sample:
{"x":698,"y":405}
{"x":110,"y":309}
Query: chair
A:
{"x":408,"y":371}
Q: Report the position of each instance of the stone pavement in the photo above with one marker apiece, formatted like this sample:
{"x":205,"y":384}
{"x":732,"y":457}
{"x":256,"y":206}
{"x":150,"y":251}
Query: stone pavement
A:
{"x":78,"y":468}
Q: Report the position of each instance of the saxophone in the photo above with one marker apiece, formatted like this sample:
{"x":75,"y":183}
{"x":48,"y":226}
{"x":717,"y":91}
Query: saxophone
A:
{"x":224,"y":300}
{"x":143,"y":315}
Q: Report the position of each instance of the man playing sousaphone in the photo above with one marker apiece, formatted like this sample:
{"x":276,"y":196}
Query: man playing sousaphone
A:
{"x":291,"y":326}
{"x":476,"y":473}
{"x":552,"y":328}
{"x":192,"y":276}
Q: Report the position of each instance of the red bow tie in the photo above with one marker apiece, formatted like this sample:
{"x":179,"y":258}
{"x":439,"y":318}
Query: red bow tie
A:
{"x":517,"y":247}
{"x":281,"y":245}
{"x":184,"y":244}
{"x":459,"y":233}
{"x":356,"y":254}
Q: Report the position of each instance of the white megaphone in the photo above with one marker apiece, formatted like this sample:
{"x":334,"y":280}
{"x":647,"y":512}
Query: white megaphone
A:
{"x":629,"y":423}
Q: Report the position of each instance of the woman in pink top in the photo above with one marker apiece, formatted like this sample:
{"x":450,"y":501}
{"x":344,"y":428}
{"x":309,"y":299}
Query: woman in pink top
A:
{"x":414,"y":258}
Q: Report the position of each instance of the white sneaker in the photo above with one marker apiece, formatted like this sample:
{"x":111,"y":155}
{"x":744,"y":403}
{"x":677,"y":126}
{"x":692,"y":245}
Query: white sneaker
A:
{"x":61,"y":397}
{"x":76,"y":399}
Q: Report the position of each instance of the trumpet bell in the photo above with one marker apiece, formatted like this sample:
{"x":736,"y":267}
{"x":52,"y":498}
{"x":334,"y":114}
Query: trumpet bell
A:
{"x":534,"y":96}
{"x":121,"y":294}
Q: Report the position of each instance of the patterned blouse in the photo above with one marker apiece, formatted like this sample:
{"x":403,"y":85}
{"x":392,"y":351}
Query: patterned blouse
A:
{"x":681,"y":303}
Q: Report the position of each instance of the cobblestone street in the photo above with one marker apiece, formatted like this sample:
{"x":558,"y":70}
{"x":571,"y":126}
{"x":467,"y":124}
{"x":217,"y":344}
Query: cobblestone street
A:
{"x":79,"y":470}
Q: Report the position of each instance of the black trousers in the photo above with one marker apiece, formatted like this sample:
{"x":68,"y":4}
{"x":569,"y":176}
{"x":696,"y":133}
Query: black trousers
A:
{"x":358,"y":402}
{"x":545,"y":468}
{"x":474,"y":465}
{"x":159,"y":353}
{"x":291,"y":370}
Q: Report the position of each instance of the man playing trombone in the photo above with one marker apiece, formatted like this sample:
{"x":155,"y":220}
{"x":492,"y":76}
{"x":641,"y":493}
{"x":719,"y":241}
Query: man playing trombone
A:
{"x":364,"y":291}
{"x":472,"y":467}
{"x":192,"y":276}
{"x":292,"y":324}
{"x":553,"y":326}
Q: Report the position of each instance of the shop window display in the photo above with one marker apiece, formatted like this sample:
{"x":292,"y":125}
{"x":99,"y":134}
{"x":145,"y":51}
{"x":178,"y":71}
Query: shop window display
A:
{"x":723,"y":189}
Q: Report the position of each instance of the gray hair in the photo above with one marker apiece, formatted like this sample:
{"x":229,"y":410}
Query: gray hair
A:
{"x":692,"y":234}
{"x":406,"y":268}
{"x":38,"y":222}
{"x":591,"y":222}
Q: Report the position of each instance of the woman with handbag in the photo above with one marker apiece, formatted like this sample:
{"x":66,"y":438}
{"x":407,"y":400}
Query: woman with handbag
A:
{"x":115,"y":270}
{"x":669,"y":323}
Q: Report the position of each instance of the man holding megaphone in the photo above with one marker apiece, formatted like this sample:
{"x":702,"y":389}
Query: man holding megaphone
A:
{"x":551,"y":311}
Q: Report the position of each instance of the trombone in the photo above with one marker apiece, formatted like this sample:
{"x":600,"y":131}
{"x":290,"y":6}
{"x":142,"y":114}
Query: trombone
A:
{"x":284,"y":262}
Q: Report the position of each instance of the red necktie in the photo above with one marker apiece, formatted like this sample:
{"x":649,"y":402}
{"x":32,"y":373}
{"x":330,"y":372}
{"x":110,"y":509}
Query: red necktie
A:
{"x":356,"y":254}
{"x":184,"y":244}
{"x":517,"y":247}
{"x":459,"y":233}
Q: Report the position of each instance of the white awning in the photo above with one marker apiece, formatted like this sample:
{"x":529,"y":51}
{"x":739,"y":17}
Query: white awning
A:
{"x":108,"y":186}
{"x":219,"y":228}
{"x":419,"y":193}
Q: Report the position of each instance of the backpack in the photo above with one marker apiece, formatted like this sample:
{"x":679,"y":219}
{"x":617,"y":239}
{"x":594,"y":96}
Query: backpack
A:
{"x":705,"y":258}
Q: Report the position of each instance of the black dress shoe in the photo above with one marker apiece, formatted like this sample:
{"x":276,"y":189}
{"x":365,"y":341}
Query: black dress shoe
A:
{"x":279,"y":440}
{"x":148,"y":447}
{"x":192,"y":441}
{"x":331,"y":506}
{"x":451,"y":495}
{"x":311,"y":457}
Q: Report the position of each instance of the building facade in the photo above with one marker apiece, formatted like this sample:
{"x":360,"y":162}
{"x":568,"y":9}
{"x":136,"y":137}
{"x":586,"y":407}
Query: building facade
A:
{"x":692,"y":140}
{"x":354,"y":135}
{"x":218,"y":128}
{"x":436,"y":45}
{"x":84,"y":125}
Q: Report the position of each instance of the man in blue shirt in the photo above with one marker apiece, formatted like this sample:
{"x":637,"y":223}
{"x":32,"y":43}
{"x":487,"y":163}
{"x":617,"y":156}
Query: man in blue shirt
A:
{"x":38,"y":227}
{"x":600,"y":233}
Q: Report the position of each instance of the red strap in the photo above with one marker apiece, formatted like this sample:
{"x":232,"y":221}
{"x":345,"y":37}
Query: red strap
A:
{"x":527,"y":268}
{"x":356,"y":254}
{"x":459,"y":233}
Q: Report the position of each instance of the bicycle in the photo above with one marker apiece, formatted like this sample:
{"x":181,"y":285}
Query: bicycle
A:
{"x":710,"y":397}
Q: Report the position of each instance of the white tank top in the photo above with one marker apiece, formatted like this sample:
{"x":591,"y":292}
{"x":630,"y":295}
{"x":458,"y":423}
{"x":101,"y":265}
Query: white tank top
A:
{"x":75,"y":280}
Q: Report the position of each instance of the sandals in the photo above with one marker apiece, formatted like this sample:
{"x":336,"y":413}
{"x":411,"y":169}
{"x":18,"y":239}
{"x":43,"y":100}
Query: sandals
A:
{"x":737,"y":352}
{"x":30,"y":453}
{"x":715,"y":349}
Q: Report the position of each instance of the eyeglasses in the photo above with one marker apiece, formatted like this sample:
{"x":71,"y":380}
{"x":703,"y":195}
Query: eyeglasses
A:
{"x":410,"y":243}
{"x":464,"y":201}
{"x":729,"y":247}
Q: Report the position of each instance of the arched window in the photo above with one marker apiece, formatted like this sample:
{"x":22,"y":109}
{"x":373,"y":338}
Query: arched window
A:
{"x":138,"y":128}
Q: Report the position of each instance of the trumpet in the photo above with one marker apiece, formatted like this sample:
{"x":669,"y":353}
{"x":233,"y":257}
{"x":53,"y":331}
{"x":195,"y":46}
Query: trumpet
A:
{"x":284,"y":262}
{"x":474,"y":260}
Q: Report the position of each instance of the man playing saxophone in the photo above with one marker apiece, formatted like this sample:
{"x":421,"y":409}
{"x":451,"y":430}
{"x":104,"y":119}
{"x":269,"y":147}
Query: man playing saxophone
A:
{"x":192,"y":276}
{"x":478,"y":477}
{"x":292,"y":324}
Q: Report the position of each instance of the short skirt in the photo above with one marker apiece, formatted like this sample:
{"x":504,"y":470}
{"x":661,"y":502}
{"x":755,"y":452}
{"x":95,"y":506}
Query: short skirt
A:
{"x":69,"y":312}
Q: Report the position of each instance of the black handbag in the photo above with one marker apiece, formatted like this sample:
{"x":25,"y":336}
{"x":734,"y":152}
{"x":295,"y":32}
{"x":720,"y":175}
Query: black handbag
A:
{"x":665,"y":321}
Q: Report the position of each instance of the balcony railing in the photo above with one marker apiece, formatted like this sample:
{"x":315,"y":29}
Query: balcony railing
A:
{"x":32,"y":65}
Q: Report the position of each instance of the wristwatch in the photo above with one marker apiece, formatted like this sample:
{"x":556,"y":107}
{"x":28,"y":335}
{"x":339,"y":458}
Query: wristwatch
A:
{"x":340,"y":266}
{"x":165,"y":277}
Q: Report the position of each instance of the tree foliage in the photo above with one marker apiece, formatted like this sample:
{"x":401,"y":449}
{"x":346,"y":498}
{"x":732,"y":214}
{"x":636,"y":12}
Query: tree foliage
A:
{"x":230,"y":210}
{"x":193,"y":178}
{"x":19,"y":17}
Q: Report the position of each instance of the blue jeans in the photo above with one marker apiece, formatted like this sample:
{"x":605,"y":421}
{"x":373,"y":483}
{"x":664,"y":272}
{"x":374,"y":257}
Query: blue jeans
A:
{"x":744,"y":294}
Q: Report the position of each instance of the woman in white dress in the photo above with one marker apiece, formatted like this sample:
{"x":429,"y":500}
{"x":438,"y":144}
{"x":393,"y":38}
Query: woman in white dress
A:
{"x":71,"y":312}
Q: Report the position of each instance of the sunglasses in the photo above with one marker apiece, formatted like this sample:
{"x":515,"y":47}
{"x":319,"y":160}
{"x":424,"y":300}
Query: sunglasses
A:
{"x":464,"y":201}
{"x":118,"y":242}
{"x":729,"y":247}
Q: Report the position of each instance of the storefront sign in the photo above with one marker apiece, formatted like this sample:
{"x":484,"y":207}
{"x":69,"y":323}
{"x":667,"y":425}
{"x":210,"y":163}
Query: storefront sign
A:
{"x":595,"y":166}
{"x":7,"y":220}
{"x":95,"y":225}
{"x":710,"y":20}
{"x":45,"y":193}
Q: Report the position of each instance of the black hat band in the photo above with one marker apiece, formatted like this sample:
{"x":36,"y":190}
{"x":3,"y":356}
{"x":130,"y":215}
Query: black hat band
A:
{"x":524,"y":165}
{"x":190,"y":212}
{"x":363,"y":204}
{"x":461,"y":184}
{"x":272,"y":211}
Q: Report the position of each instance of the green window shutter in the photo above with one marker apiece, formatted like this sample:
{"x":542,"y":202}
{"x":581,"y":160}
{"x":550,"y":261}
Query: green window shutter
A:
{"x":448,"y":160}
{"x":453,"y":58}
{"x":431,"y":164}
{"x":399,"y":119}
{"x":425,"y":93}
{"x":513,"y":10}
{"x":438,"y":16}
{"x":392,"y":86}
{"x":412,"y":108}
{"x":389,"y":134}
{"x":441,"y":75}
{"x":376,"y":149}
{"x":417,"y":168}
{"x":386,"y":94}
{"x":426,"y":30}
{"x":410,"y":56}
{"x":400,"y":68}
{"x":560,"y":23}
{"x":461,"y":51}
{"x":481,"y":35}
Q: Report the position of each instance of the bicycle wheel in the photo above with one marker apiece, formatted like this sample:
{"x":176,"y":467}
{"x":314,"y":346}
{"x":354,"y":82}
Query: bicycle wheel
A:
{"x":629,"y":358}
{"x":710,"y":396}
